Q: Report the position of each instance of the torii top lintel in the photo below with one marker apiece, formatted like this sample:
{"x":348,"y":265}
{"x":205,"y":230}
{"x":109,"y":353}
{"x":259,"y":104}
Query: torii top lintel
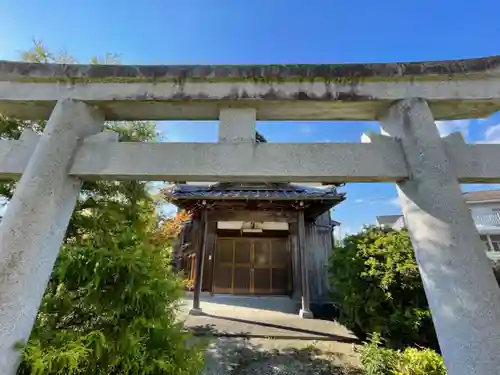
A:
{"x":454,"y":89}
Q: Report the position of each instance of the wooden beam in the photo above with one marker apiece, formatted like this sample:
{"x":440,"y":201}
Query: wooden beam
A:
{"x":200,"y":259}
{"x":250,"y":215}
{"x":305,"y":311}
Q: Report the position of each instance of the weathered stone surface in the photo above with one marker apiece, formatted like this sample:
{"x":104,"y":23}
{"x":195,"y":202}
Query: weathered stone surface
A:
{"x":15,"y":154}
{"x":473,"y":163}
{"x":32,"y":72}
{"x":454,"y":89}
{"x":273,"y":162}
{"x":35,"y":223}
{"x":237,"y":125}
{"x":379,"y":159}
{"x":462,"y":292}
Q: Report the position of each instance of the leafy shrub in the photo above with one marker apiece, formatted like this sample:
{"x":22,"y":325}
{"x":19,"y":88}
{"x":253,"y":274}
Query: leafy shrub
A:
{"x":110,"y":306}
{"x":420,"y":362}
{"x":188,"y":284}
{"x":377,"y":283}
{"x":376,"y":360}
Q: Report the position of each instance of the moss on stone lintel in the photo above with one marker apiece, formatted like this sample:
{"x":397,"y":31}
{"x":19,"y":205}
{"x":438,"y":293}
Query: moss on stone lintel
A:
{"x":329,"y":73}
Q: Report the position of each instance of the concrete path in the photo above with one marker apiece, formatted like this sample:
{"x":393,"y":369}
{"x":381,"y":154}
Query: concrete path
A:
{"x":250,"y":337}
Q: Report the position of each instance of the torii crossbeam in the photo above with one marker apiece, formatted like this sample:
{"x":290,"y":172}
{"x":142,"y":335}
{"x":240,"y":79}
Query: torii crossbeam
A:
{"x":405,"y":97}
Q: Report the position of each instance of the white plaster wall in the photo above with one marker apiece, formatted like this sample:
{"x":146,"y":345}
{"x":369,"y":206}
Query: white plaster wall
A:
{"x":264,"y":225}
{"x":483,"y":208}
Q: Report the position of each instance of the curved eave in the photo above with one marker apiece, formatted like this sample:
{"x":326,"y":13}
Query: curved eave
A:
{"x":454,"y":89}
{"x":313,"y":206}
{"x":329,"y":200}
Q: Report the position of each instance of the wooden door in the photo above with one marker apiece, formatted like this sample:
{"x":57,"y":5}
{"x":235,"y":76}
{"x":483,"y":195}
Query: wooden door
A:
{"x":260,"y":271}
{"x":280,"y":269}
{"x":224,"y":266}
{"x":242,"y":266}
{"x":258,"y":266}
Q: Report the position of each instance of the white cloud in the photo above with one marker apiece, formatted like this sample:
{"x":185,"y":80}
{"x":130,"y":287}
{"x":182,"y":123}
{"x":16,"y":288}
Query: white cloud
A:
{"x":492,"y":134}
{"x":305,"y":129}
{"x":447,"y":127}
{"x":394,"y":201}
{"x":168,"y":210}
{"x":345,"y":231}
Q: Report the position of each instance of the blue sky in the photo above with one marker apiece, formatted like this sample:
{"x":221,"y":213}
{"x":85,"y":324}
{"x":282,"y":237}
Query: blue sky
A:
{"x":270,"y":31}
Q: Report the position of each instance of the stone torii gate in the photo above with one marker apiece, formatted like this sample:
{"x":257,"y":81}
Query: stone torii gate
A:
{"x":405,"y":97}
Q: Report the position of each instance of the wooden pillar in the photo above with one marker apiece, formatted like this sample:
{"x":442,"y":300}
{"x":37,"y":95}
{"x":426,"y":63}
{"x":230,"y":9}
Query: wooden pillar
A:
{"x":305,"y":311}
{"x":200,"y":258}
{"x":192,"y":266}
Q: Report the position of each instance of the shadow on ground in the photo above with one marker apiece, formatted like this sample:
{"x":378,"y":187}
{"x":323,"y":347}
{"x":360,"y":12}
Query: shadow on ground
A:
{"x":305,"y":334}
{"x":250,"y":356}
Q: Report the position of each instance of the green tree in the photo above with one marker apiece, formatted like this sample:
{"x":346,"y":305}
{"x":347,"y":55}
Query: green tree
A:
{"x":110,"y":305}
{"x":377,"y":283}
{"x":111,"y":302}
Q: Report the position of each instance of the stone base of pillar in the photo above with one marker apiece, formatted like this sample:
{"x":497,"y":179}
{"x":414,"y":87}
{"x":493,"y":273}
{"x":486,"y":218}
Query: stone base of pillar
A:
{"x":195,"y":312}
{"x":306,"y":314}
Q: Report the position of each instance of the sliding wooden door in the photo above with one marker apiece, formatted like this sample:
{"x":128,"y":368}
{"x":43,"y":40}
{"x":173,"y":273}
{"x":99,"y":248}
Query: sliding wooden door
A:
{"x":256,"y":266}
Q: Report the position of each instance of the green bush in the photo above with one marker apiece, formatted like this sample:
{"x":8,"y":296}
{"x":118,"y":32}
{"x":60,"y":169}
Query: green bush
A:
{"x":376,"y":360}
{"x":377,"y":284}
{"x":110,"y":306}
{"x":420,"y":362}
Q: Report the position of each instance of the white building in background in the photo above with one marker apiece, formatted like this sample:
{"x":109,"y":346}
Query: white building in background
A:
{"x":485,"y":210}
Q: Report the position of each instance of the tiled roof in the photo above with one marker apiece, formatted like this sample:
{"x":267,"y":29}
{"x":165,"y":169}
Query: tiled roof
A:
{"x":483,"y":195}
{"x":253,"y":191}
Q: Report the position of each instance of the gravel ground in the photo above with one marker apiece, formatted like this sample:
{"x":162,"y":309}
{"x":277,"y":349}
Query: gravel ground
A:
{"x":242,"y":356}
{"x":265,"y":336}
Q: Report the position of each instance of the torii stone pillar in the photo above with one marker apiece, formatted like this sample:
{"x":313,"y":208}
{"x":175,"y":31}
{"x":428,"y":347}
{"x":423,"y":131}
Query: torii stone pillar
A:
{"x":458,"y":279}
{"x":35,"y":223}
